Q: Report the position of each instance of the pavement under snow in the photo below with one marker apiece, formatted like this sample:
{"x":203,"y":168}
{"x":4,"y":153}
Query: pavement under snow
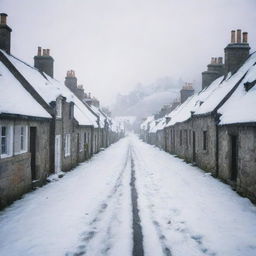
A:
{"x":131,"y":199}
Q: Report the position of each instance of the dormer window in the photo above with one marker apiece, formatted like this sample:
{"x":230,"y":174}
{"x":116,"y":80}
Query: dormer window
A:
{"x":58,"y":108}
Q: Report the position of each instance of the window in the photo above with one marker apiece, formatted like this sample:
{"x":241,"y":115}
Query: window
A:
{"x":71,"y":109}
{"x":20,"y":139}
{"x":180,"y":137}
{"x":67,"y":145}
{"x":4,"y":140}
{"x":6,"y":133}
{"x":81,"y":142}
{"x":58,"y":108}
{"x":205,"y":142}
{"x":189,"y":137}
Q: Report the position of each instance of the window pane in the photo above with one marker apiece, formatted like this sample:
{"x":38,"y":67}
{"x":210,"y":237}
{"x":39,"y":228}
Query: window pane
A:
{"x":3,"y":145}
{"x":3,"y":132}
{"x":22,"y":138}
{"x":3,"y":140}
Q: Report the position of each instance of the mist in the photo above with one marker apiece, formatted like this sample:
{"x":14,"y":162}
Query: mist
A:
{"x":114,"y":45}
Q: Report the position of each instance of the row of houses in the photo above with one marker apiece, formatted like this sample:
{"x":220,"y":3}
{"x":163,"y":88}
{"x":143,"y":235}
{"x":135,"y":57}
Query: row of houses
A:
{"x":45,"y":127}
{"x":216,"y":128}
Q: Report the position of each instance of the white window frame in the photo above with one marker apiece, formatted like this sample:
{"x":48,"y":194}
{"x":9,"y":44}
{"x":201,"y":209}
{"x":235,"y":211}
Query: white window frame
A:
{"x":9,"y":141}
{"x":67,"y":145}
{"x":18,"y":137}
{"x":58,"y":108}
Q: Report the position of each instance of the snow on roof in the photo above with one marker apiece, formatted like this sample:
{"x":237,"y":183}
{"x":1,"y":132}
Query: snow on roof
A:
{"x":117,"y":126}
{"x":102,"y":118}
{"x":50,"y":89}
{"x":144,"y":125}
{"x":183,"y":112}
{"x":81,"y":112}
{"x":159,"y":125}
{"x":12,"y":92}
{"x":208,"y":99}
{"x":152,"y":125}
{"x":218,"y":91}
{"x":241,"y":106}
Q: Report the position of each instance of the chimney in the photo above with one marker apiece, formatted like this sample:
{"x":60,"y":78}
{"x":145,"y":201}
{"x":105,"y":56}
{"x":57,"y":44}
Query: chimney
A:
{"x":71,"y":81}
{"x":238,"y":36}
{"x":186,"y":92}
{"x":44,"y":63}
{"x":3,"y":18}
{"x":5,"y":34}
{"x":220,"y":60}
{"x":237,"y":52}
{"x":233,"y":37}
{"x":214,"y":70}
{"x":39,"y":51}
{"x":245,"y":37}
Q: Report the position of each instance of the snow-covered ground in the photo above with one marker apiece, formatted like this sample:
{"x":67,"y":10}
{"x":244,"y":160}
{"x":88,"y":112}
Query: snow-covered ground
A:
{"x":183,"y":210}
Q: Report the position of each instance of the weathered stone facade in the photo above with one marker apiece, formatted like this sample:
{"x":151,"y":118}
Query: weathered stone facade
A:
{"x":16,"y":170}
{"x":60,"y":133}
{"x":244,"y":180}
{"x":206,"y":131}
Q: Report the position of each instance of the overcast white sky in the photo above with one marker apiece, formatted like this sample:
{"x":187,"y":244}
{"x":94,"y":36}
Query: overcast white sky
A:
{"x":114,"y":44}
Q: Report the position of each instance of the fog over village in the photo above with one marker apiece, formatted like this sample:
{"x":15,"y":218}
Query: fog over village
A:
{"x":128,"y":127}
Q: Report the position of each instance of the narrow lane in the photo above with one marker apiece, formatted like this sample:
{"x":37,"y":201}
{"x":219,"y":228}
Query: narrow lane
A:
{"x":131,"y":199}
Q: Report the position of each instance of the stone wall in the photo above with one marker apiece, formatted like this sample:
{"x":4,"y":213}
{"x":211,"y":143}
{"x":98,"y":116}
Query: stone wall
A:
{"x":246,"y":161}
{"x":15,"y":178}
{"x":205,"y":159}
{"x":15,"y":171}
{"x":179,"y":141}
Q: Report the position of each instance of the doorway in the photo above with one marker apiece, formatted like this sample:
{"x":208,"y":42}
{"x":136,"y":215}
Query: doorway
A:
{"x":234,"y":157}
{"x":57,"y":162}
{"x":32,"y":147}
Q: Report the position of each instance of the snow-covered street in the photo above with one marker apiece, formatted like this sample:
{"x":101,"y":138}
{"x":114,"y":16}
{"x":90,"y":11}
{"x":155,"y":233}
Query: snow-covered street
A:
{"x":131,"y":199}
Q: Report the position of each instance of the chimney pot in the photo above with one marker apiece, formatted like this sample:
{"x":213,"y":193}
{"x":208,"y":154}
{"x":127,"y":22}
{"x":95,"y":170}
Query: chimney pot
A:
{"x":245,"y":37}
{"x":39,"y":51}
{"x":233,"y":36}
{"x":238,"y":39}
{"x":3,"y":18}
{"x":48,"y":52}
{"x":212,"y":60}
{"x":220,"y":60}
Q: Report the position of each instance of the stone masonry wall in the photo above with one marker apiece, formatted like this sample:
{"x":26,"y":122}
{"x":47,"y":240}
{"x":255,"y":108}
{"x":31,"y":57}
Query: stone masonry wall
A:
{"x":246,"y":176}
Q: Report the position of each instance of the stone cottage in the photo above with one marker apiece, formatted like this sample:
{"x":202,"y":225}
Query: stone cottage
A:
{"x":44,"y":127}
{"x":201,"y":129}
{"x":24,"y":158}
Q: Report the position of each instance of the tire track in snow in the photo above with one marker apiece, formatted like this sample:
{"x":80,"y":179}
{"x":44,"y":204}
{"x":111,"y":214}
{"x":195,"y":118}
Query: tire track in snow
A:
{"x":137,"y":230}
{"x":113,"y":198}
{"x":154,"y":191}
{"x":162,"y":238}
